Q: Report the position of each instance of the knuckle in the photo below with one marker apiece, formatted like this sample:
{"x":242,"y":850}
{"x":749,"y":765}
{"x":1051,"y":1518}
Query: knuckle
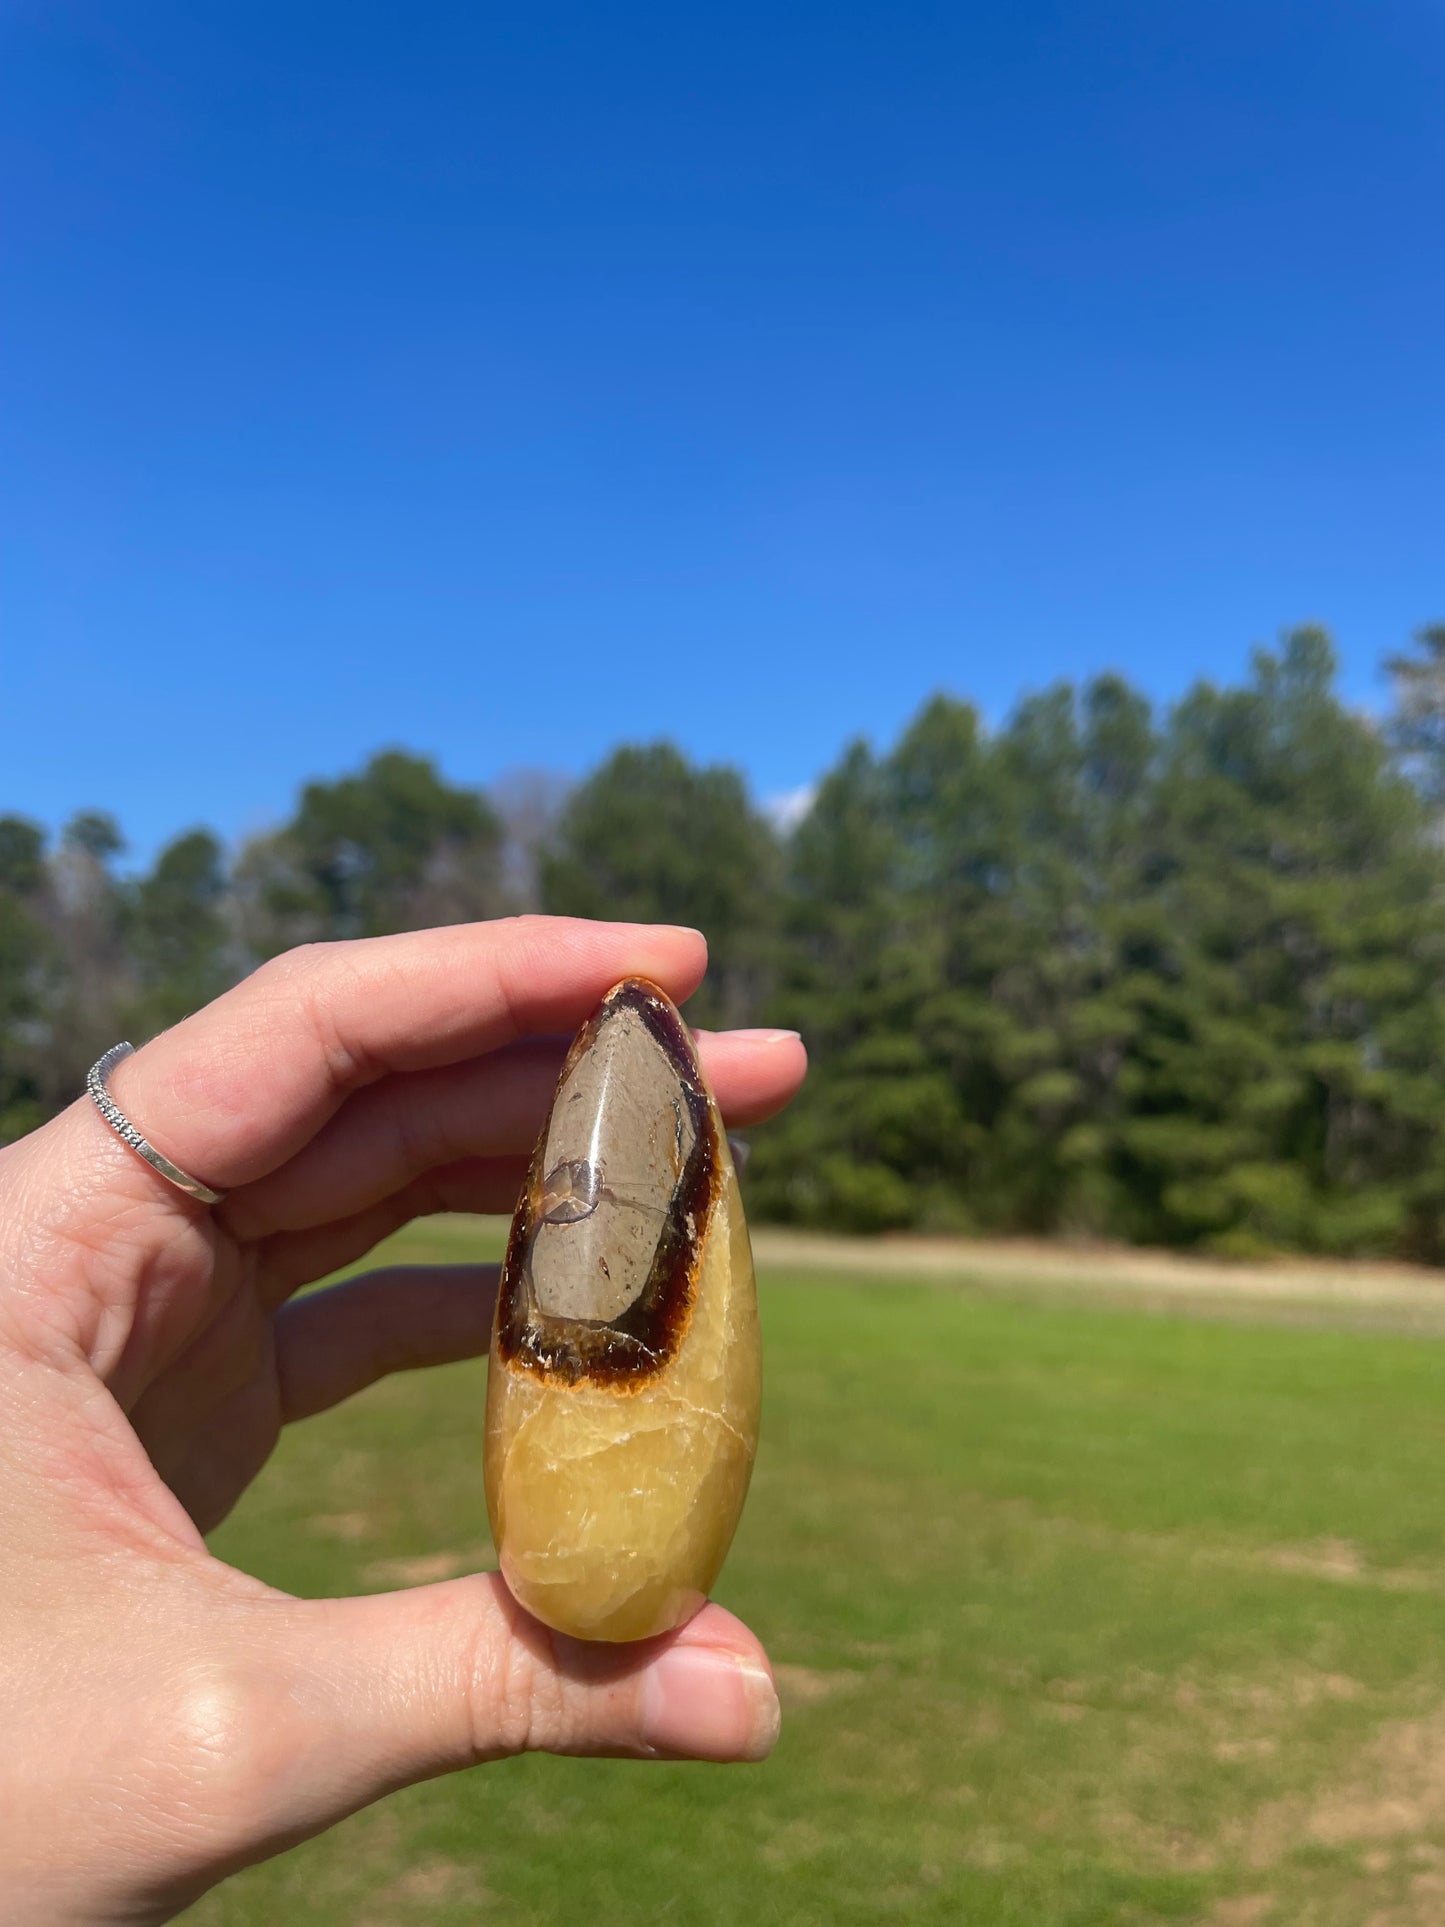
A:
{"x":323,"y":996}
{"x":551,"y":1725}
{"x":205,"y":1755}
{"x":517,"y":1697}
{"x":501,"y":1696}
{"x":285,"y":971}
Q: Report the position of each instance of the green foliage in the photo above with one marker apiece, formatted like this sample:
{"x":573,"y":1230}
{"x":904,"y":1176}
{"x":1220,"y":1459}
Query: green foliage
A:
{"x":22,"y":856}
{"x":394,"y":847}
{"x":1091,"y":975}
{"x":24,"y":956}
{"x":178,"y":937}
{"x":1285,"y":1060}
{"x":649,"y":838}
{"x":95,"y":834}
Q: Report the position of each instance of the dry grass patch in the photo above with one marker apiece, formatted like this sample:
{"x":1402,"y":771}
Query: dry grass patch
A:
{"x":427,"y":1567}
{"x":346,"y":1526}
{"x":1400,"y":1790}
{"x":416,"y":1892}
{"x":806,"y":1685}
{"x":1241,"y":1910}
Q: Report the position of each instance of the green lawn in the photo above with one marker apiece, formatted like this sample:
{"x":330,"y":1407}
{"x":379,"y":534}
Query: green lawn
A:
{"x":1081,"y":1615}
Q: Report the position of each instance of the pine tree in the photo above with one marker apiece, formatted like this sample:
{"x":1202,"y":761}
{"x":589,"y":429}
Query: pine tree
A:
{"x":648,"y":837}
{"x":180,"y":948}
{"x":394,"y":847}
{"x":28,"y":965}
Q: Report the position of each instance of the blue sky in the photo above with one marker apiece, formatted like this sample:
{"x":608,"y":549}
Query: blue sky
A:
{"x":511,"y":381}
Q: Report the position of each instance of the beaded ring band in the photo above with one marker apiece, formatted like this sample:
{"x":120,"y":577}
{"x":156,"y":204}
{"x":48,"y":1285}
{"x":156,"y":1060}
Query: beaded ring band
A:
{"x":116,"y":1118}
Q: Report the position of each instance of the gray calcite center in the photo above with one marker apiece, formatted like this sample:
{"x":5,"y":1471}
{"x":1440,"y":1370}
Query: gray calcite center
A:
{"x":604,"y":1209}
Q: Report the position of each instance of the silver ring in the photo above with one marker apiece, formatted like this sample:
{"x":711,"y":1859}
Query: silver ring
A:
{"x":116,"y":1118}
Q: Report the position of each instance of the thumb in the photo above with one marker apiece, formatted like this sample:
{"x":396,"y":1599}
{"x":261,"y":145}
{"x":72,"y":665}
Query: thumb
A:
{"x":402,"y":1686}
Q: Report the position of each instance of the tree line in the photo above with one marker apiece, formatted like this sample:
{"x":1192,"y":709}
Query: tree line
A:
{"x":1174,"y":978}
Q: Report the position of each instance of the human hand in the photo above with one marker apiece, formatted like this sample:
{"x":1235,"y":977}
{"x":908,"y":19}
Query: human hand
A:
{"x":166,"y":1718}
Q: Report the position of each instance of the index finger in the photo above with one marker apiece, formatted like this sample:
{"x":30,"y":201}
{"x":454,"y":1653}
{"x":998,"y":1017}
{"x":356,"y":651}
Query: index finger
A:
{"x":235,"y":1090}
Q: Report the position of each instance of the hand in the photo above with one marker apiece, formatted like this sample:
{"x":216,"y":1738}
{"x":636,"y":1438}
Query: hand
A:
{"x":168,"y":1719}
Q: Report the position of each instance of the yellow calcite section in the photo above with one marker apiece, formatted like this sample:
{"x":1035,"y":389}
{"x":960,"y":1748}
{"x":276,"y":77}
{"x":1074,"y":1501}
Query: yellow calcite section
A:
{"x":613,"y":1510}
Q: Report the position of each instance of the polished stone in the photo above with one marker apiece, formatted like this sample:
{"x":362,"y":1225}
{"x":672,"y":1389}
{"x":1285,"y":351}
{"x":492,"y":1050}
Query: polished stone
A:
{"x":625,"y":1379}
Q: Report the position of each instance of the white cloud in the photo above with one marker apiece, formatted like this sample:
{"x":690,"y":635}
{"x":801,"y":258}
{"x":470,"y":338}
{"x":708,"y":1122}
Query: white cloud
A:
{"x":786,"y":810}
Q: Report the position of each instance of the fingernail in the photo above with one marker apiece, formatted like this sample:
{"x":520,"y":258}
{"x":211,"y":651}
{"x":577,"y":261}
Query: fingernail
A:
{"x":707,"y":1705}
{"x":766,"y":1036}
{"x":682,"y":930}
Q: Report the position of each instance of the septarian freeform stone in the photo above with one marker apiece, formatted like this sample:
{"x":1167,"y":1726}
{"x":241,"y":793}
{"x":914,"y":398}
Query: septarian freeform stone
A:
{"x":625,"y":1379}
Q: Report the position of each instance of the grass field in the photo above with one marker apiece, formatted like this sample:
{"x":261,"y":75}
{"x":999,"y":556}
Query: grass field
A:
{"x":1082,"y":1613}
